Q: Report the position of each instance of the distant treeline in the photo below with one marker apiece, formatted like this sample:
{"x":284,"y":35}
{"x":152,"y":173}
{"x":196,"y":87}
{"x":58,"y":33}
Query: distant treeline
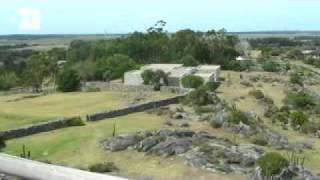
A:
{"x":108,"y":59}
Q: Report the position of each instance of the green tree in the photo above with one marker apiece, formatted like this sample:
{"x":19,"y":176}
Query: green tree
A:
{"x":189,"y":60}
{"x":115,"y":66}
{"x":192,"y":81}
{"x":38,"y":67}
{"x":155,"y":78}
{"x":68,"y":80}
{"x":8,"y":80}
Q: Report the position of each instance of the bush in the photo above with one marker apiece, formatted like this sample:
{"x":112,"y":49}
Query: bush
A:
{"x":189,"y":60}
{"x":2,"y":143}
{"x":192,"y":81}
{"x":103,"y":167}
{"x":246,"y":84}
{"x":212,"y":86}
{"x":258,"y":94}
{"x":295,"y":78}
{"x":298,"y":118}
{"x":271,"y":66}
{"x":68,"y":80}
{"x":259,"y":140}
{"x":272,"y":163}
{"x":155,"y":78}
{"x":114,"y":66}
{"x":8,"y":80}
{"x":282,"y":117}
{"x":199,"y":97}
{"x":299,"y":100}
{"x":310,"y":127}
{"x":238,"y":116}
{"x":75,"y":122}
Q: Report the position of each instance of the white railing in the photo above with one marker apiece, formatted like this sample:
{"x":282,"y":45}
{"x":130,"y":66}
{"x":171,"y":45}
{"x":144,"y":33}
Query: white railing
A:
{"x":29,"y":169}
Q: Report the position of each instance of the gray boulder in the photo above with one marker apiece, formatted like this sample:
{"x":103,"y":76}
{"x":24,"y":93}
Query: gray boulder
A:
{"x":121,"y":142}
{"x":171,"y":147}
{"x":150,"y":142}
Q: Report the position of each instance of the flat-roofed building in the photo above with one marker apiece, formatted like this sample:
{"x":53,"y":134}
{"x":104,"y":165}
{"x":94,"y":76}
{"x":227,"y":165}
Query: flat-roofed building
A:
{"x":175,"y":73}
{"x":133,"y":78}
{"x":175,"y":76}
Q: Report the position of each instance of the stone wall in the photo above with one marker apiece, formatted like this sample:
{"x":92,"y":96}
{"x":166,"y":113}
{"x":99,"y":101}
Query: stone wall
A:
{"x":176,"y":90}
{"x":134,"y":108}
{"x":37,"y":128}
{"x":105,"y":86}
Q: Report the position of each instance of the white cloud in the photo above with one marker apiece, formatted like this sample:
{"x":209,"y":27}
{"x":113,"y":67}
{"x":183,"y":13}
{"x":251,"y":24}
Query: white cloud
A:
{"x":30,"y":19}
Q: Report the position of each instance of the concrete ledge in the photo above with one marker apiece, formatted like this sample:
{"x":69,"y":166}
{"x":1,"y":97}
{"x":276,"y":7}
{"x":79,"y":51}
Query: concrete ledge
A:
{"x":29,"y":169}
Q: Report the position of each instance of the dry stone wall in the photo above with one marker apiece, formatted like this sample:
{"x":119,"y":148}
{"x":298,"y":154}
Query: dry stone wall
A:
{"x":134,"y":108}
{"x":37,"y":128}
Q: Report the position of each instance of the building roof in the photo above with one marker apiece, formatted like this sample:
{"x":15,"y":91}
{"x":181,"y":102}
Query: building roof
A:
{"x":209,"y":67}
{"x":182,"y":71}
{"x":136,"y":72}
{"x":164,"y":67}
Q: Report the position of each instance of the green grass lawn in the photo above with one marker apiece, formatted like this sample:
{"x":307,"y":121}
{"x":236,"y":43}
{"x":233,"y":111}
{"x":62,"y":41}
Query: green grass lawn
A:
{"x":44,"y":108}
{"x":79,"y":147}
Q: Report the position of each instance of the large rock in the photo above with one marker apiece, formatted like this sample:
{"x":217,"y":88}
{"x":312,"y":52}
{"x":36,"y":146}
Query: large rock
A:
{"x":121,"y":142}
{"x":274,"y":139}
{"x":150,"y":142}
{"x":171,"y":147}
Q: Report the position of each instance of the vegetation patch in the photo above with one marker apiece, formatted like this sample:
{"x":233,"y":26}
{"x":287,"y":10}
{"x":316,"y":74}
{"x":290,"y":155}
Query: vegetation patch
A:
{"x":272,"y":163}
{"x":103,"y":167}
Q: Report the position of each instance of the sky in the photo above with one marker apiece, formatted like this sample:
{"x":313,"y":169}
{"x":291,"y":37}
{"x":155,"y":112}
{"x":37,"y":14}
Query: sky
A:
{"x":123,"y":16}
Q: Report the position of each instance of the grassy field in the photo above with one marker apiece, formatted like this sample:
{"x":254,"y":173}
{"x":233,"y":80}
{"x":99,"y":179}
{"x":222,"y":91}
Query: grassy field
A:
{"x":17,"y":110}
{"x":79,"y":147}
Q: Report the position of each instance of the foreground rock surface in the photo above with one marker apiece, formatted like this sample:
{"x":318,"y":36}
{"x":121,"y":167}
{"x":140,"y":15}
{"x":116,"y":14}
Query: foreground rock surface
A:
{"x":199,"y":149}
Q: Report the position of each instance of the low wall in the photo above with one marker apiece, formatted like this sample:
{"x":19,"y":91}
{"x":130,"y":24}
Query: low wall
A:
{"x":176,"y":90}
{"x":133,"y":108}
{"x":37,"y":128}
{"x":105,"y":86}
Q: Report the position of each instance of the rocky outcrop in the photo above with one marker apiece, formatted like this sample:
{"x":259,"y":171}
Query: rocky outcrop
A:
{"x":199,"y":149}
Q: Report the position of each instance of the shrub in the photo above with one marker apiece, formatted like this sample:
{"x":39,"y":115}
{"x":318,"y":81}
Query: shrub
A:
{"x":199,"y":97}
{"x":238,"y":116}
{"x":259,"y":140}
{"x":192,"y":81}
{"x":189,"y":60}
{"x":147,"y":76}
{"x":68,"y":81}
{"x":246,"y":84}
{"x":103,"y":167}
{"x":310,"y":127}
{"x":258,"y":94}
{"x":114,"y":66}
{"x":8,"y":80}
{"x":282,"y":117}
{"x":2,"y":143}
{"x":295,"y":78}
{"x":299,"y":100}
{"x":298,"y":118}
{"x":212,"y":86}
{"x":271,"y":66}
{"x":155,"y":78}
{"x":272,"y":163}
{"x":75,"y":122}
